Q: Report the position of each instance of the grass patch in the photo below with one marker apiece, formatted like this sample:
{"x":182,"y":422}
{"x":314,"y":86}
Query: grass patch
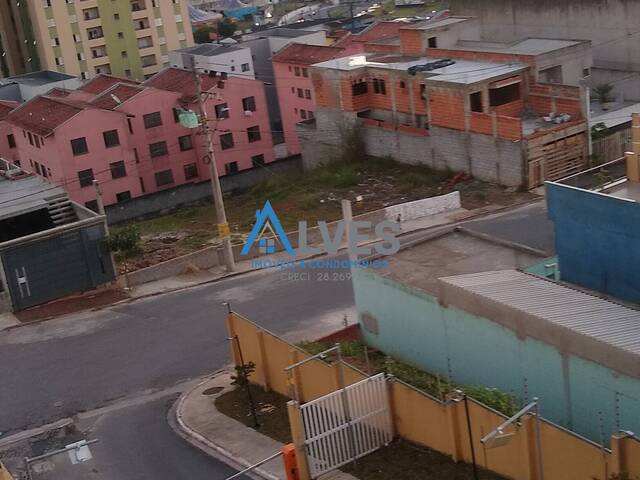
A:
{"x":374,"y":362}
{"x":271,"y":408}
{"x":402,"y":460}
{"x":312,"y":196}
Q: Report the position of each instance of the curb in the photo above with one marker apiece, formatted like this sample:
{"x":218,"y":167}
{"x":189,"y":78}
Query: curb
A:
{"x":204,"y":444}
{"x":456,"y":223}
{"x":26,"y":434}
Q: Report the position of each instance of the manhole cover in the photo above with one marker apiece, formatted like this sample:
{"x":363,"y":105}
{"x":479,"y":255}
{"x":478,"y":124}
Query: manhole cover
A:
{"x":212,"y":391}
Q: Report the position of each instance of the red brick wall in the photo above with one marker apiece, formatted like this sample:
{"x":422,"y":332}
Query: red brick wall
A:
{"x":481,"y":56}
{"x":447,"y":108}
{"x":324,"y":91}
{"x":351,"y":103}
{"x":411,"y":42}
{"x":509,"y":128}
{"x":512,"y":109}
{"x":481,"y":123}
{"x":378,"y":48}
{"x":540,"y":104}
{"x":403,"y":100}
{"x":418,"y":102}
{"x":567,"y":99}
{"x":379,"y":100}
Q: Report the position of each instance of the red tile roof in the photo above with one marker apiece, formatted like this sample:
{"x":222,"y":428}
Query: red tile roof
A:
{"x":181,"y":81}
{"x":307,"y":54}
{"x":377,"y":31}
{"x":42,"y":115}
{"x":6,"y":106}
{"x":121,"y":91}
{"x":58,"y":92}
{"x":103,"y":82}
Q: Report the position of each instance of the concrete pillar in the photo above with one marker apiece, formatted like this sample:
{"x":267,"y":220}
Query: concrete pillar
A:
{"x":393,"y":84}
{"x":297,"y":434}
{"x":453,"y":420}
{"x":485,"y":101}
{"x":411,"y":105}
{"x":467,"y":112}
{"x":633,"y":158}
{"x":262,"y":369}
{"x":619,"y":458}
{"x":494,"y":124}
{"x":527,"y":432}
{"x":296,"y":377}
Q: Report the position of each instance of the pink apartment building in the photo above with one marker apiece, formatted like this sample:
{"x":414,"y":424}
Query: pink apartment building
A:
{"x":127,"y":135}
{"x":8,"y":145}
{"x":295,"y":89}
{"x":291,"y":72}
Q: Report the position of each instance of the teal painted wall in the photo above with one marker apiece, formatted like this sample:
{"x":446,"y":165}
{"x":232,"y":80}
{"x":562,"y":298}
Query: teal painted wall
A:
{"x":470,"y":350}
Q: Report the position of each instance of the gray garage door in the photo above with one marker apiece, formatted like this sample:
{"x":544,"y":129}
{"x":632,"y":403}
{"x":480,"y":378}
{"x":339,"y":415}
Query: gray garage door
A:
{"x":54,"y":267}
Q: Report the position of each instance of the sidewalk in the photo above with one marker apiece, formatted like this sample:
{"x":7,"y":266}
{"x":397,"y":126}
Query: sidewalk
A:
{"x":206,"y":276}
{"x":203,"y":426}
{"x":80,"y":303}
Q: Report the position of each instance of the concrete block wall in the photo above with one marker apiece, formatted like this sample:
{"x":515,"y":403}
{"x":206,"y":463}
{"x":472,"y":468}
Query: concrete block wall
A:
{"x":184,"y":194}
{"x":482,"y":156}
{"x":418,"y":328}
{"x":422,"y":208}
{"x":497,"y":160}
{"x":403,"y":147}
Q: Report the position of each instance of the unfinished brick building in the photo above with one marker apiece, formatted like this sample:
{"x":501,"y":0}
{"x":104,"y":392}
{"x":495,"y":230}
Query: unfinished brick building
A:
{"x":437,"y":95}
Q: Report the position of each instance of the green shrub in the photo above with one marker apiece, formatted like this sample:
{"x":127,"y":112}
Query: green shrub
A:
{"x":494,"y":398}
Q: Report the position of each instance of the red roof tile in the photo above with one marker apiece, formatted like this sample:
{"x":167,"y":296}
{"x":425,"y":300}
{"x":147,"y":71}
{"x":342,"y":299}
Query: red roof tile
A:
{"x":181,"y":81}
{"x":103,"y":82}
{"x":307,"y":54}
{"x":5,"y":109}
{"x":121,"y":91}
{"x":42,"y":115}
{"x":58,"y":92}
{"x":377,"y":31}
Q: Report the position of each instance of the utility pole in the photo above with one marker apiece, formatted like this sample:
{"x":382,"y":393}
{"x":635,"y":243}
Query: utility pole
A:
{"x":103,"y":212}
{"x":223,"y":227}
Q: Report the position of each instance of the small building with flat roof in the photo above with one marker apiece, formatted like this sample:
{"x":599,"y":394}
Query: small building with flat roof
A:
{"x":50,"y":247}
{"x":22,"y":88}
{"x":462,"y":306}
{"x":234,"y":60}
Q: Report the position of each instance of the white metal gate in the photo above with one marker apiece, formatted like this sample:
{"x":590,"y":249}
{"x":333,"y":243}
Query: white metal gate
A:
{"x":347,"y":424}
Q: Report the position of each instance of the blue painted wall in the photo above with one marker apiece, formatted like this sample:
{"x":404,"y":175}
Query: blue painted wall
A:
{"x":597,"y":240}
{"x":574,"y":393}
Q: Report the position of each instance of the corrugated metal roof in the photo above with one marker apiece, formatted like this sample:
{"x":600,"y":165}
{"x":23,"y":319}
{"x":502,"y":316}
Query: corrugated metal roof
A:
{"x":584,"y":314}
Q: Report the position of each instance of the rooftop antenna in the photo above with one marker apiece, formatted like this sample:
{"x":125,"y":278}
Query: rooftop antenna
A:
{"x":116,"y":99}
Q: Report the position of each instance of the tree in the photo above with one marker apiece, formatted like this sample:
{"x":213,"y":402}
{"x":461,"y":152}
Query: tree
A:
{"x":243,"y":372}
{"x":125,"y":243}
{"x":226,"y":27}
{"x":202,"y":34}
{"x":603,"y":92}
{"x":241,"y":380}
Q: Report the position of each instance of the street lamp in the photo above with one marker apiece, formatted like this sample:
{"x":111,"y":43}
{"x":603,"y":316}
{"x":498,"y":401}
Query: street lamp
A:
{"x":499,"y":438}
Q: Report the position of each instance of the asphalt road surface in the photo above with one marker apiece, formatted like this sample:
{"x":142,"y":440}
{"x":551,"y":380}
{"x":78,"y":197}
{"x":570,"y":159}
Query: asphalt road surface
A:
{"x":136,"y":443}
{"x":78,"y":363}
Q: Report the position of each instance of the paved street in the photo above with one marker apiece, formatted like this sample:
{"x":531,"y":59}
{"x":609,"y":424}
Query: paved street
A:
{"x":527,"y":225}
{"x":136,"y":443}
{"x":78,"y":363}
{"x":60,"y":367}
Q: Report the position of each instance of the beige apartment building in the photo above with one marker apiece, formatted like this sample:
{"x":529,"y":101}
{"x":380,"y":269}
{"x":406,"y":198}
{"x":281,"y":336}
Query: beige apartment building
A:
{"x":129,"y":38}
